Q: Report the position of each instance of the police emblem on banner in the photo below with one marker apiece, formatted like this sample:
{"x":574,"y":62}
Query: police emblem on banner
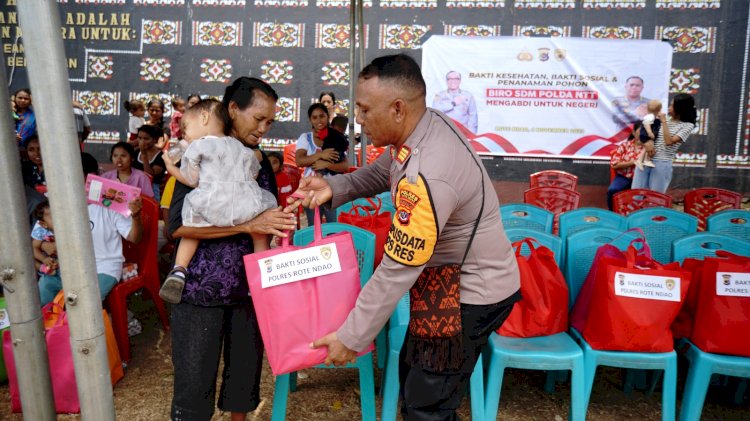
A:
{"x":543,"y":54}
{"x":269,"y":265}
{"x":560,"y":54}
{"x":325,"y":252}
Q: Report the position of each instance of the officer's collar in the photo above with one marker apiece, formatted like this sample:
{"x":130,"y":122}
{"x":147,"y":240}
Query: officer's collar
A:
{"x":411,"y":146}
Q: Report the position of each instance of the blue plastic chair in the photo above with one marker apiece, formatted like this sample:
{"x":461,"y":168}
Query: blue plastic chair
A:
{"x":364,"y":243}
{"x":396,"y":334}
{"x":705,"y":244}
{"x":523,"y":215}
{"x":552,"y":353}
{"x":386,"y":198}
{"x":662,"y":226}
{"x":732,"y":222}
{"x":580,"y":219}
{"x":581,"y":248}
{"x":550,"y":241}
{"x":702,"y":366}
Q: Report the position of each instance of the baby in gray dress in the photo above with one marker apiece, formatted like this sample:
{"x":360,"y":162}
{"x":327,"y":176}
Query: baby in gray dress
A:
{"x":222,"y":171}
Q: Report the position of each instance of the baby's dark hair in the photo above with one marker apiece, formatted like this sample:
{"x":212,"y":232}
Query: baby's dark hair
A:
{"x":134,"y":105}
{"x":214,"y":107}
{"x":155,"y":132}
{"x":277,"y":155}
{"x":340,"y":122}
{"x":38,"y":212}
{"x":176,"y":100}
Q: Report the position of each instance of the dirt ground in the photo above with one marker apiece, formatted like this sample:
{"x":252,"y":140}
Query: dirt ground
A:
{"x":332,"y":395}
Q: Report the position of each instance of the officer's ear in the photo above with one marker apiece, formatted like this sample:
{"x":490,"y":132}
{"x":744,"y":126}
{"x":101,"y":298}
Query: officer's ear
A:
{"x":399,"y":110}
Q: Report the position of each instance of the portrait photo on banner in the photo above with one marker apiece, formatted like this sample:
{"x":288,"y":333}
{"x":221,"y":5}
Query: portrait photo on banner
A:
{"x":574,"y":97}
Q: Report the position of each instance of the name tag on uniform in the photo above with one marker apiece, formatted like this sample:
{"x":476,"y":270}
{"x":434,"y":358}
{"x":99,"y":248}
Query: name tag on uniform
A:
{"x":299,"y":265}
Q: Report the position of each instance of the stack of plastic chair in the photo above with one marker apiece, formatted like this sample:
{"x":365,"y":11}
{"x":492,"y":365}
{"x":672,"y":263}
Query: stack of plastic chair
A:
{"x":364,"y":202}
{"x":662,"y":226}
{"x":554,"y":199}
{"x":554,"y":178}
{"x":705,"y":244}
{"x":704,"y":364}
{"x":396,"y":334}
{"x":553,"y":352}
{"x":580,"y":250}
{"x":735,"y":223}
{"x":522,"y":215}
{"x":706,"y":201}
{"x":585,"y":218}
{"x":144,"y":254}
{"x":629,"y":201}
{"x":364,"y":243}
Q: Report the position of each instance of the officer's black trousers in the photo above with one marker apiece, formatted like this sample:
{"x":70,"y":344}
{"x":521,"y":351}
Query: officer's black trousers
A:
{"x":434,"y":396}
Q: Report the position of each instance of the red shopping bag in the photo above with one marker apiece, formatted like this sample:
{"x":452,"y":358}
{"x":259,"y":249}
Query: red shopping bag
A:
{"x":722,"y":311}
{"x":302,"y":293}
{"x":604,"y":255}
{"x":634,"y":304}
{"x":372,"y":219}
{"x":683,"y":324}
{"x":544,"y":307}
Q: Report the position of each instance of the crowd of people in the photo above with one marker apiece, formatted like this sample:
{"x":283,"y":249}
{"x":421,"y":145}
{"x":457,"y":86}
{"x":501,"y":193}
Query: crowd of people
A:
{"x":223,"y":197}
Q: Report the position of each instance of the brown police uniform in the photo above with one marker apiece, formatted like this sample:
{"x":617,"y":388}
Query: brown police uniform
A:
{"x":437,"y":182}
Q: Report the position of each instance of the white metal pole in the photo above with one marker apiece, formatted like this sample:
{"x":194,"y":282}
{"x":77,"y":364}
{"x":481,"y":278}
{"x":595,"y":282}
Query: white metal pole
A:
{"x":17,"y":276}
{"x":48,"y":75}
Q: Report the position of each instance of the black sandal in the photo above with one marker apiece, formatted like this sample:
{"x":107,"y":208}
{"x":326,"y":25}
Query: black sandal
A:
{"x":171,"y":291}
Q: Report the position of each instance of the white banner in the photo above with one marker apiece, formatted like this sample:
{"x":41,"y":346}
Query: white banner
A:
{"x":298,"y":265}
{"x":545,"y":96}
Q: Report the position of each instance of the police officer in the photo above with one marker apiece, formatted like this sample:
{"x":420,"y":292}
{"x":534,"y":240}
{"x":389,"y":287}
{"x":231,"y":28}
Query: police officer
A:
{"x":631,"y":107}
{"x":457,"y":104}
{"x":446,"y":238}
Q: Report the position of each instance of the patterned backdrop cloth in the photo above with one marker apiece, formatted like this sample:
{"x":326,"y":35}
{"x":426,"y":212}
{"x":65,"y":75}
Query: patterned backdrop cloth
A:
{"x":165,"y":48}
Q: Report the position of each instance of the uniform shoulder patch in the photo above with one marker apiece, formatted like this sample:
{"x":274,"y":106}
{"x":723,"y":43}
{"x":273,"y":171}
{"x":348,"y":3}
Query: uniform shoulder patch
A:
{"x":413,"y":234}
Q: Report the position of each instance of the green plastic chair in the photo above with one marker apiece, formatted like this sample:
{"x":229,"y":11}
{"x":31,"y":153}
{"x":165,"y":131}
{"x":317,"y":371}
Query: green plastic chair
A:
{"x":364,"y":243}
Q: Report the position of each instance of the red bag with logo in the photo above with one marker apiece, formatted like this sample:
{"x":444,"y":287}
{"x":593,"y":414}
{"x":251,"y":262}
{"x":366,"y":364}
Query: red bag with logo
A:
{"x":544,"y":307}
{"x":683,"y":324}
{"x":294,"y":307}
{"x":606,"y":254}
{"x":372,"y":219}
{"x":722,"y":311}
{"x":634,"y":304}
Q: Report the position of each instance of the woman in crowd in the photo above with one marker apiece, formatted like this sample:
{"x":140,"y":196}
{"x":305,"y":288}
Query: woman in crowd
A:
{"x":26,"y":121}
{"x":675,"y":131}
{"x":155,"y":110}
{"x":192,"y":99}
{"x":149,"y":158}
{"x":123,"y":156}
{"x":216,"y":310}
{"x":33,"y":168}
{"x":328,"y":99}
{"x":322,"y":151}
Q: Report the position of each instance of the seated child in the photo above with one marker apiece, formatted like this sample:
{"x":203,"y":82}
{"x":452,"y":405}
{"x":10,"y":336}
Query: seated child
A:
{"x":223,"y":172}
{"x":650,"y":126}
{"x":107,"y":230}
{"x":43,"y":231}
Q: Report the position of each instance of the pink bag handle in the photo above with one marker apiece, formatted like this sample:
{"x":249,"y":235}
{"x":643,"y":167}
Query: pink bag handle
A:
{"x":317,"y":230}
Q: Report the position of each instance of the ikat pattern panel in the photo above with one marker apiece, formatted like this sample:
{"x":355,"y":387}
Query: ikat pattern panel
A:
{"x":278,"y":72}
{"x":273,"y":34}
{"x":402,"y":37}
{"x":217,"y":34}
{"x":472,"y":30}
{"x":617,"y":4}
{"x":612,"y":32}
{"x":695,"y":39}
{"x":168,"y":32}
{"x":545,"y":4}
{"x":687,"y":4}
{"x":99,"y":102}
{"x":335,"y":35}
{"x":541,"y":31}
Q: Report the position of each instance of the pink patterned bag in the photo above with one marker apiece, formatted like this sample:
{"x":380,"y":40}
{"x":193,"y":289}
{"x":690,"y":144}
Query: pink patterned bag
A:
{"x":302,"y":293}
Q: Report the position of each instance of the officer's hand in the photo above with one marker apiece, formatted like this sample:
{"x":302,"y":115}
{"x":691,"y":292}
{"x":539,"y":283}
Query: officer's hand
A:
{"x":338,"y":353}
{"x":312,"y":191}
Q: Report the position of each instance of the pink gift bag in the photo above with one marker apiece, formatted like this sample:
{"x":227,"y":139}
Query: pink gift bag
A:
{"x":302,"y":293}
